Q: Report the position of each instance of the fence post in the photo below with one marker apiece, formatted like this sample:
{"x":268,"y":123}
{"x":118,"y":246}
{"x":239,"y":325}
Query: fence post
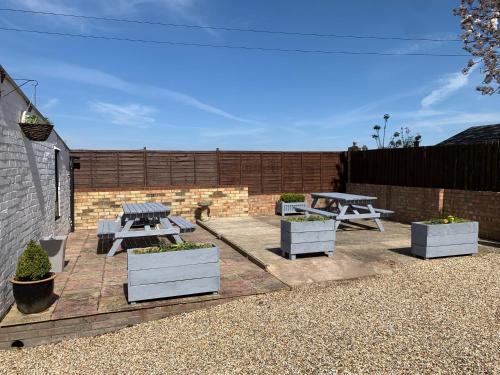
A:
{"x":145,"y":164}
{"x":302,"y":171}
{"x":92,"y":169}
{"x":118,"y":169}
{"x":217,"y":153}
{"x":348,"y":167}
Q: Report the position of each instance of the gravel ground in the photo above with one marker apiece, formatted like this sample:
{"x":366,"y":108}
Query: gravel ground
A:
{"x":436,"y":316}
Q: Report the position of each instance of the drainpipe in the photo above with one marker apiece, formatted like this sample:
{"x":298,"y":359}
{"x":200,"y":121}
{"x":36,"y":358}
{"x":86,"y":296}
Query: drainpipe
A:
{"x":74,"y":163}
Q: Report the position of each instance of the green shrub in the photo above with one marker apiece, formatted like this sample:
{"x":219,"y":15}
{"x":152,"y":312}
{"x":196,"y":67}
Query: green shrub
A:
{"x":34,"y":264}
{"x":308,"y":218}
{"x":163,"y":247}
{"x":292,"y":197}
{"x":447,"y":220}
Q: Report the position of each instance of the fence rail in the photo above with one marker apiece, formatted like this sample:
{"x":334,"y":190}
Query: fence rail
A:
{"x":263,"y":172}
{"x":465,"y":167}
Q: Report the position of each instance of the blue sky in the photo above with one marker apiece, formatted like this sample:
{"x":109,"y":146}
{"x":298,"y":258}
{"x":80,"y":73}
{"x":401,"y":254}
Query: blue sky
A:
{"x":118,"y":95}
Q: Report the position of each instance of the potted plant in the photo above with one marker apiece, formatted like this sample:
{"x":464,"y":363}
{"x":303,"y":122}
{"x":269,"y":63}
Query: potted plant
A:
{"x":444,"y":237}
{"x":288,"y":202}
{"x":33,"y":284}
{"x":169,"y":270}
{"x":307,"y":234}
{"x":35,"y":128}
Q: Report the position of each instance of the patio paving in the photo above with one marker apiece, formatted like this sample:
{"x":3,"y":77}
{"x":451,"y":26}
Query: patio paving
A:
{"x":360,"y":249}
{"x":93,"y":283}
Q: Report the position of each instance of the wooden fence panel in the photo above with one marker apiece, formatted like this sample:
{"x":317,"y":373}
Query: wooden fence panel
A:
{"x":251,"y":172}
{"x":271,"y":173}
{"x":466,"y":167}
{"x":131,"y":168}
{"x":206,"y":168}
{"x":292,"y":172}
{"x":182,"y":169}
{"x":105,"y":173}
{"x":230,"y":168}
{"x":159,"y":173}
{"x":263,"y":172}
{"x":83,"y":175}
{"x":311,"y":171}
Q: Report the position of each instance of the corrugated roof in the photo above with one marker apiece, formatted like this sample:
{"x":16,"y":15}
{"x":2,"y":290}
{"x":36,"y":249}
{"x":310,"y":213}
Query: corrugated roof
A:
{"x":475,"y":134}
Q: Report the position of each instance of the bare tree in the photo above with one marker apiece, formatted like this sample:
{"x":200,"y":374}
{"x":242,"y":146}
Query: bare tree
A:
{"x":481,"y":37}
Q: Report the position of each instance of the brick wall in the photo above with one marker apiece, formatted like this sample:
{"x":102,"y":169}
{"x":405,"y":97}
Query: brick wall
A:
{"x":91,"y":206}
{"x":414,"y":204}
{"x":27,"y":189}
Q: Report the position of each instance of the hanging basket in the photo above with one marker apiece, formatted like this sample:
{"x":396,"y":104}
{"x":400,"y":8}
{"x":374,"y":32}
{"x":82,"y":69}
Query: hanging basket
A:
{"x":36,"y":132}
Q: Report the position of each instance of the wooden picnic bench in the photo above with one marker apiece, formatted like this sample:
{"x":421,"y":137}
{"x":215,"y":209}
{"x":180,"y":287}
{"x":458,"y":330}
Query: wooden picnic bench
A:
{"x":149,"y":217}
{"x":348,"y":207}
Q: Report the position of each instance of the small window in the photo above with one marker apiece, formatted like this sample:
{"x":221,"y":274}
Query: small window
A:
{"x":56,"y":176}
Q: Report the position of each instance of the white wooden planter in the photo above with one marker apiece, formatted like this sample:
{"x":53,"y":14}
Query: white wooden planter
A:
{"x":303,"y":237}
{"x":174,"y":273}
{"x":284,"y":208}
{"x":441,"y":240}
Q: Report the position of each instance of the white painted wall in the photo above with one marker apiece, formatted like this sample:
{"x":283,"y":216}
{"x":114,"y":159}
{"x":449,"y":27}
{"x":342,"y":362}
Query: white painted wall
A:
{"x":27,"y":188}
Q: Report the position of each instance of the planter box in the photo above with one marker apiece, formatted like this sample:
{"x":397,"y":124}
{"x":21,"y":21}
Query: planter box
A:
{"x":303,"y":237}
{"x":170,"y":274}
{"x":55,"y":248}
{"x":284,"y":208}
{"x":440,"y":240}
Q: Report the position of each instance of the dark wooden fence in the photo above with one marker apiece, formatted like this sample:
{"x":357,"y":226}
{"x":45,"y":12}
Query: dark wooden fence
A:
{"x":263,"y":172}
{"x":466,"y":167}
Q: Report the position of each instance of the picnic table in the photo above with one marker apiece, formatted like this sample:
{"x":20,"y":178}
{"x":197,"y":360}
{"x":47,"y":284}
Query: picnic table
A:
{"x":347,"y":207}
{"x":144,"y":212}
{"x":152,"y":217}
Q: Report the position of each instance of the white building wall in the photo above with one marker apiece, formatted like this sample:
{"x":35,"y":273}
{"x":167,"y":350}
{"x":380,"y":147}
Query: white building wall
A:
{"x":27,"y":188}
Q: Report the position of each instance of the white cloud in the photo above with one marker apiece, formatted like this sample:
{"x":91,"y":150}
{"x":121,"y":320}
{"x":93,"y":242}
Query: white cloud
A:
{"x":455,"y":118}
{"x":249,"y":131}
{"x":49,"y":104}
{"x":127,"y":114}
{"x":449,"y":85}
{"x":76,"y":73}
{"x":54,"y":6}
{"x":177,"y":9}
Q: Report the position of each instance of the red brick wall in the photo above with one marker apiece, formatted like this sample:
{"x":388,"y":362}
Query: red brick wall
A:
{"x":414,"y":204}
{"x":483,"y":206}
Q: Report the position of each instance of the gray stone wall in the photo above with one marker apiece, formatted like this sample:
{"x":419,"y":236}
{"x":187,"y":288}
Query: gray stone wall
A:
{"x":27,"y":189}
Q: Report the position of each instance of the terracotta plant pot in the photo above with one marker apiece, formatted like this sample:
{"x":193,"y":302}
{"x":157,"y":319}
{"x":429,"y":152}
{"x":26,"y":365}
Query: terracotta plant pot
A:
{"x":33,"y":296}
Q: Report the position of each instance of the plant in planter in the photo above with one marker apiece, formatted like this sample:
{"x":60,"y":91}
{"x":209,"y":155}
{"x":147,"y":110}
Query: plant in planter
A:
{"x":35,"y":128}
{"x":288,"y":202}
{"x":33,"y":284}
{"x":307,"y":234}
{"x":444,"y":237}
{"x":172,"y":270}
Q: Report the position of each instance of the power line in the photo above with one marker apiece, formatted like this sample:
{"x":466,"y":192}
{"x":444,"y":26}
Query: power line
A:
{"x":174,"y":43}
{"x":264,"y":31}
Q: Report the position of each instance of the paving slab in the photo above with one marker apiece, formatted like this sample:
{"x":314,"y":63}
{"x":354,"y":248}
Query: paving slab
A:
{"x":93,"y":283}
{"x":360,"y":250}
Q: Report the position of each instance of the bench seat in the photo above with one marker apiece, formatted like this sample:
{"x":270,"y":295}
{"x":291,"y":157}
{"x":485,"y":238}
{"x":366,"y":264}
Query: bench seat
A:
{"x":381,"y":211}
{"x":309,"y":210}
{"x":107,"y":228}
{"x":184,"y":225}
